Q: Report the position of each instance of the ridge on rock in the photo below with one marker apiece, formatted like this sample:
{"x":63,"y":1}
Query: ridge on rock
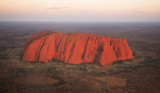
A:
{"x":75,"y":48}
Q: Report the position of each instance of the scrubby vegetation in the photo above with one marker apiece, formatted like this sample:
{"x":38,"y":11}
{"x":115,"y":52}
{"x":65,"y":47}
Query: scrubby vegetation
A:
{"x":139,"y":75}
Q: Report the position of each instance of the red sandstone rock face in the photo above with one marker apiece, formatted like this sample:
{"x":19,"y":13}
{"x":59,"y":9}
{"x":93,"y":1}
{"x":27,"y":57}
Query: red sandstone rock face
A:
{"x":76,"y":48}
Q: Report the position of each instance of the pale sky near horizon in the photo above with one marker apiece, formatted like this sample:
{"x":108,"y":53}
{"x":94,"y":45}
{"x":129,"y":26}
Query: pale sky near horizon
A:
{"x":80,"y":10}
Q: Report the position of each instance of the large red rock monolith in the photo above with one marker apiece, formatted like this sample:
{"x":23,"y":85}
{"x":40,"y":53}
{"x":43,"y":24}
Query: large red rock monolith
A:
{"x":75,"y":48}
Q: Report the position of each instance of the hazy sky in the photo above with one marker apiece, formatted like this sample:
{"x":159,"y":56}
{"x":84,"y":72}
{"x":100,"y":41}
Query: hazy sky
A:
{"x":80,"y":10}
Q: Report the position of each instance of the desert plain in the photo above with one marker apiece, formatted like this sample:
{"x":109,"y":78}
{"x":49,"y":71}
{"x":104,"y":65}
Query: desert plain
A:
{"x":139,"y":75}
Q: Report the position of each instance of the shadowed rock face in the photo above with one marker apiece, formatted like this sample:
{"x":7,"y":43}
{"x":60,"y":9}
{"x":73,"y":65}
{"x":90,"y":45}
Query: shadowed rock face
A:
{"x":75,"y":48}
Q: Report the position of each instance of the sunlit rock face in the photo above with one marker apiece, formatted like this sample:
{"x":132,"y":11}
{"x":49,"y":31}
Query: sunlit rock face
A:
{"x":75,"y":48}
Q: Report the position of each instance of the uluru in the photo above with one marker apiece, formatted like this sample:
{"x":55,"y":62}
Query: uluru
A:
{"x":75,"y":48}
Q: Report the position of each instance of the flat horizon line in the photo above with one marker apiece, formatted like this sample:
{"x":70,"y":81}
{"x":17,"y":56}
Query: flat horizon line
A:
{"x":88,"y":21}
